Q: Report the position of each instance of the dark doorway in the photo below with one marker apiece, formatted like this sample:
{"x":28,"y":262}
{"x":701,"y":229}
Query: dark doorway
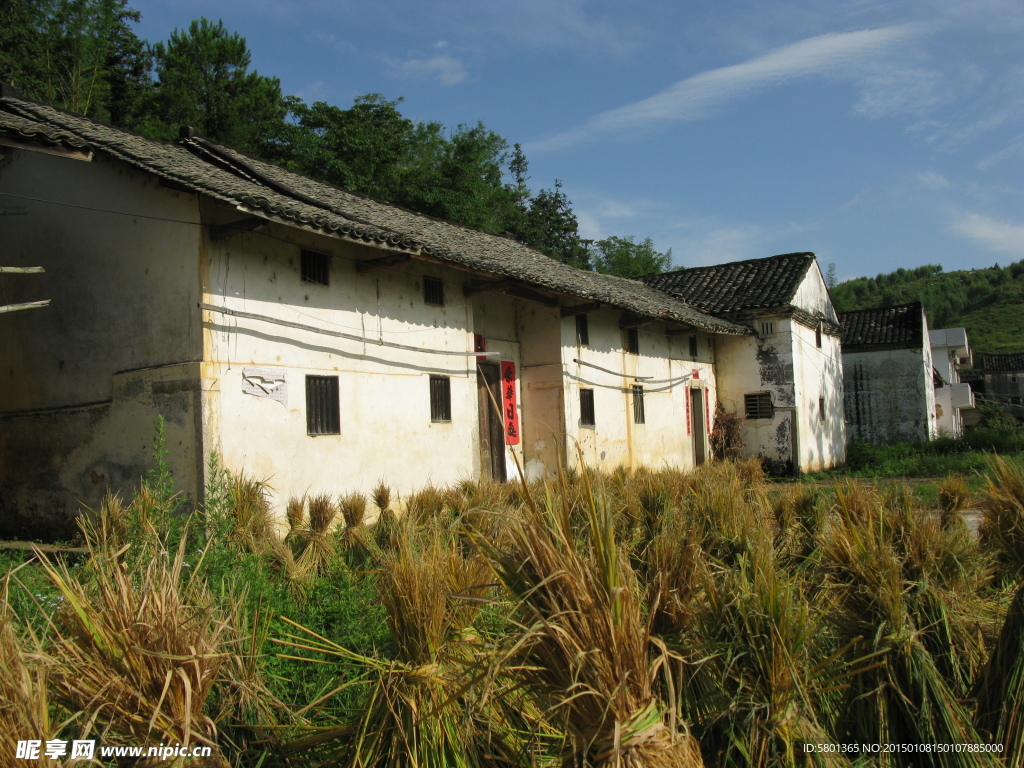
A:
{"x":492,"y":435}
{"x":700,"y":444}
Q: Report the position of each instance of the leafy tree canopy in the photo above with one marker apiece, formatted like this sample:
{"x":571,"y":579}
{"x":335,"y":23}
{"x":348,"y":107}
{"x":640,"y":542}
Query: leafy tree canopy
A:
{"x":203,"y":80}
{"x":624,"y":257}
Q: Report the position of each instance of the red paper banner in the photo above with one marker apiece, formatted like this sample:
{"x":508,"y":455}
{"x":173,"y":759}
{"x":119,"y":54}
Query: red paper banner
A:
{"x":687,"y":398}
{"x":707,"y":411}
{"x":509,"y":414}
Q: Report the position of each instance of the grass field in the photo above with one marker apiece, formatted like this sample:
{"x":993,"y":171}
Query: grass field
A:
{"x":636,"y":619}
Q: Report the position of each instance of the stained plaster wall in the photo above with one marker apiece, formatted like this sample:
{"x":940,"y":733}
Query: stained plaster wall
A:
{"x":788,"y":364}
{"x":615,"y":440}
{"x":83,"y":380}
{"x":386,"y":428}
{"x":889,"y":395}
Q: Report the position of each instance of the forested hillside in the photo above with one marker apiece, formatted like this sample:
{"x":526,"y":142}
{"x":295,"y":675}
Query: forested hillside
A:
{"x":84,"y":56}
{"x":988,"y":302}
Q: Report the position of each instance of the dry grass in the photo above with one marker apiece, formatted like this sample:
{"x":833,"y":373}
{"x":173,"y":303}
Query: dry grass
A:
{"x":1002,"y":505}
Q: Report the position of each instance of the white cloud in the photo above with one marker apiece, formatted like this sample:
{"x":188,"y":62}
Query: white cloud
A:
{"x":447,"y":70}
{"x":996,"y":236}
{"x":932,"y":180}
{"x":1014,"y":149}
{"x":702,"y":95}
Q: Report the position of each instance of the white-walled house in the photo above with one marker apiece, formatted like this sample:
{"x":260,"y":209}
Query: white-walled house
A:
{"x":950,"y":352}
{"x":785,"y":378}
{"x":889,"y":377}
{"x":317,"y":339}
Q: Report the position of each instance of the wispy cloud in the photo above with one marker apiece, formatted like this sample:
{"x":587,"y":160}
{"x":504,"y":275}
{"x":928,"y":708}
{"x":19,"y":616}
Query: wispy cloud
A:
{"x":996,"y":236}
{"x":704,"y":94}
{"x":932,"y":180}
{"x":447,"y":70}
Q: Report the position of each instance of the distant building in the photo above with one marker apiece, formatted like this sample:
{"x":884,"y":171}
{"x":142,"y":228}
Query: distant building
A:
{"x":888,"y":376}
{"x":1004,"y":381}
{"x":951,"y":351}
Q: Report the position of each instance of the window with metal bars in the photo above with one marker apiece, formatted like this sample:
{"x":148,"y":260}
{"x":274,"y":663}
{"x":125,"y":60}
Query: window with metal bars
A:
{"x":323,"y":416}
{"x":759,"y":405}
{"x":638,"y":405}
{"x":631,"y":341}
{"x":821,"y":409}
{"x":817,"y":336}
{"x":440,"y":398}
{"x":587,"y":408}
{"x":316,"y":267}
{"x":582,"y":330}
{"x":433,"y":291}
{"x":767,"y":328}
{"x":693,"y":348}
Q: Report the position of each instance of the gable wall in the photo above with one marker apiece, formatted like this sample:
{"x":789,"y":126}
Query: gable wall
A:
{"x":83,"y":380}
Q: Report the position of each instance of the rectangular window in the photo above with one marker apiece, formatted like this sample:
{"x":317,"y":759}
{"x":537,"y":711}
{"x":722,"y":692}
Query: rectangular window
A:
{"x":433,"y":291}
{"x":638,"y":405}
{"x":587,"y":408}
{"x":817,"y":336}
{"x":440,"y":398}
{"x":582,"y":330}
{"x":323,"y":416}
{"x":821,"y":409}
{"x":758,"y":405}
{"x":632,"y":341}
{"x":767,"y":328}
{"x":693,"y":347}
{"x":315,"y":267}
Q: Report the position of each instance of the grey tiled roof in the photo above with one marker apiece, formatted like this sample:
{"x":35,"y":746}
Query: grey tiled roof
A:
{"x":740,"y":286}
{"x":279,"y":195}
{"x":899,"y":327}
{"x":1011,"y":362}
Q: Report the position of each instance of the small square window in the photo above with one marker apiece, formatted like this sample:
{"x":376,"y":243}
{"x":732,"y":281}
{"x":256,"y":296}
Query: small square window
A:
{"x":638,"y":405}
{"x":440,"y":398}
{"x":693,"y":348}
{"x":821,"y":409}
{"x":587,"y":408}
{"x":582,"y":330}
{"x":316,"y":267}
{"x":767,"y":328}
{"x":758,"y":405}
{"x":323,"y":416}
{"x":433,"y":291}
{"x":631,"y":341}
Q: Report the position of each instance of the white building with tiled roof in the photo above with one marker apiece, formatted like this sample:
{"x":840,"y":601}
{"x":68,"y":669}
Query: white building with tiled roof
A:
{"x":310,"y":337}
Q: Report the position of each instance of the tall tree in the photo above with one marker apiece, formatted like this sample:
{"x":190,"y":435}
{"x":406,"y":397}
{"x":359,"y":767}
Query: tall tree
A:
{"x":625,"y":257}
{"x":203,"y":80}
{"x":551,"y":227}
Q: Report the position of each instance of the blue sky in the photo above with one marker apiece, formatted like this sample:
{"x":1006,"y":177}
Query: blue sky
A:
{"x":876,"y":134}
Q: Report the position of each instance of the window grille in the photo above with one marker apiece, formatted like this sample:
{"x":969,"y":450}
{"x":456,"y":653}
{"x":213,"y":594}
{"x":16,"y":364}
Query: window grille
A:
{"x":323,"y":416}
{"x":821,"y":409}
{"x":638,"y":405}
{"x":582,"y":330}
{"x":759,"y":405}
{"x":817,"y":336}
{"x":433,"y":291}
{"x":767,"y":328}
{"x":632,"y":341}
{"x":587,"y":408}
{"x":693,"y":347}
{"x":315,"y":267}
{"x":440,"y":398}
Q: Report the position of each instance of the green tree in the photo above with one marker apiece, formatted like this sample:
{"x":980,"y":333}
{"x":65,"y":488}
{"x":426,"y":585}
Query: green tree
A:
{"x":203,"y":80}
{"x":551,"y":227}
{"x":81,"y":55}
{"x":625,"y":257}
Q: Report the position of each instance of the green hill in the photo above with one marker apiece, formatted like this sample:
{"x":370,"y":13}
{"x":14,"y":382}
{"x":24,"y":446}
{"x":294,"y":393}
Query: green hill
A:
{"x":988,"y":302}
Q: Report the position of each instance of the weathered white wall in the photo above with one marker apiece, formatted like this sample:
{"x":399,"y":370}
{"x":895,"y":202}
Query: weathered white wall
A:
{"x":889,"y":396}
{"x":83,"y":380}
{"x":788,"y":364}
{"x":386,"y":430}
{"x":615,"y":440}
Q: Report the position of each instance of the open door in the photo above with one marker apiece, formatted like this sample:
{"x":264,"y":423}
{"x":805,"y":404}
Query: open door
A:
{"x":700,"y":441}
{"x":492,"y":434}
